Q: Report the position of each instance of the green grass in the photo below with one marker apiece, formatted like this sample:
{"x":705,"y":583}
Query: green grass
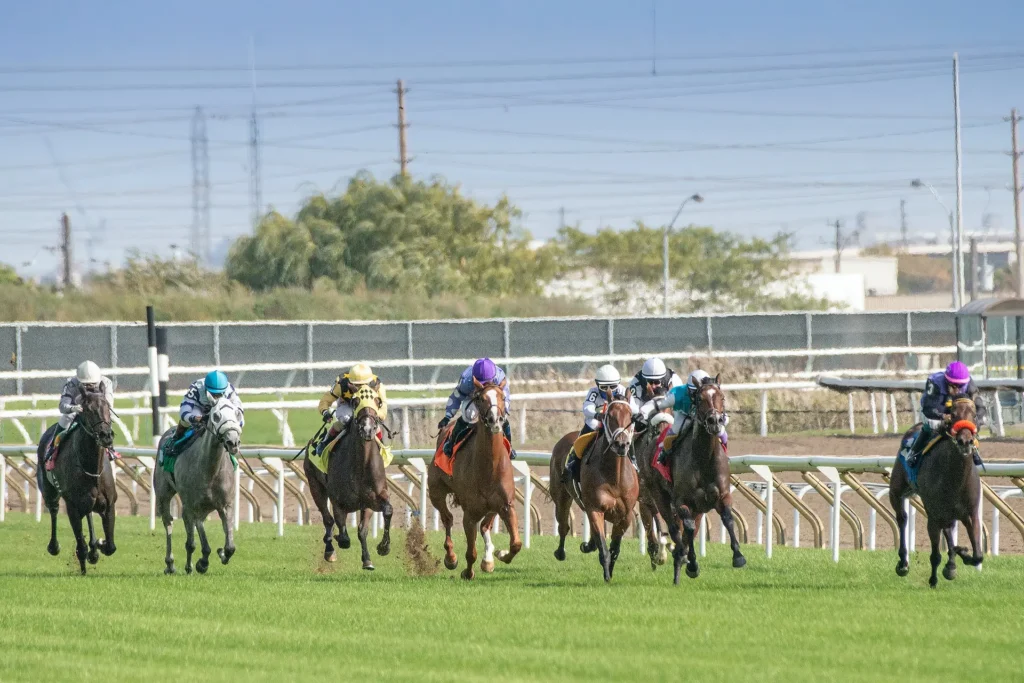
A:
{"x":277,"y":612}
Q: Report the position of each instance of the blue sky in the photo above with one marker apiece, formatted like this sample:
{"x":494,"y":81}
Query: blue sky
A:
{"x":784,"y":115}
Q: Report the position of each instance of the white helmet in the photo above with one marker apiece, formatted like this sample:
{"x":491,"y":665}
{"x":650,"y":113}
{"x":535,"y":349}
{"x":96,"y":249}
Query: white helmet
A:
{"x":696,"y":377}
{"x":607,"y":375}
{"x":654,"y":368}
{"x":88,"y":373}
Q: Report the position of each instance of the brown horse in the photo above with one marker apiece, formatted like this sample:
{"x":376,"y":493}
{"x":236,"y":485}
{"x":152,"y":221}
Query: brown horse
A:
{"x":84,"y":479}
{"x":950,"y":489}
{"x":355,"y":481}
{"x":644,"y":444}
{"x":618,"y":423}
{"x":481,"y":483}
{"x":700,"y":481}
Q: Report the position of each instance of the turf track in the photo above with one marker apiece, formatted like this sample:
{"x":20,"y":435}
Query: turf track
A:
{"x":277,"y":612}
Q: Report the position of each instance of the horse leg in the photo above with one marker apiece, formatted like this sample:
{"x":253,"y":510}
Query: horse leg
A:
{"x":896,"y":497}
{"x":316,"y":489}
{"x":563,"y":505}
{"x":204,"y":562}
{"x":81,"y":550}
{"x":653,"y":531}
{"x":973,"y":526}
{"x":469,"y":526}
{"x":691,"y":555}
{"x":949,"y":570}
{"x":597,"y":534}
{"x":724,"y":509}
{"x":94,"y":545}
{"x":54,"y":546}
{"x":934,"y":531}
{"x":439,"y":499}
{"x":190,"y":540}
{"x":364,"y":525}
{"x":384,"y":547}
{"x":618,"y":530}
{"x":487,"y":564}
{"x":683,"y":551}
{"x":227,"y":520}
{"x":511,"y":521}
{"x":107,"y":546}
{"x":168,"y":522}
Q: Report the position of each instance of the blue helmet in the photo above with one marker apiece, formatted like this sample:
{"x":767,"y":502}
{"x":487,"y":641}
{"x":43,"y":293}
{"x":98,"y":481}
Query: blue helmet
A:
{"x":216,"y":383}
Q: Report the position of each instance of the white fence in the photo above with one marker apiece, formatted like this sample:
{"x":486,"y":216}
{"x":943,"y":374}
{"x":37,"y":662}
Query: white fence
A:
{"x":840,"y":473}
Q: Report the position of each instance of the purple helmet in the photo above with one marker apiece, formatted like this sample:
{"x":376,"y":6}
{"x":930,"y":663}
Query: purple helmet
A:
{"x":484,"y":370}
{"x":957,"y":373}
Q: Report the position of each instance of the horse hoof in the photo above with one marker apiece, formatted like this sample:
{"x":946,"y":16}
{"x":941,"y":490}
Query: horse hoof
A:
{"x":586,"y":548}
{"x":487,"y":567}
{"x":902,"y":569}
{"x":225,"y":554}
{"x":506,"y":556}
{"x":468,"y":574}
{"x":94,"y":556}
{"x":202,"y":565}
{"x":949,"y":573}
{"x":188,"y":569}
{"x":344,"y":543}
{"x":107,"y":549}
{"x":383,"y":549}
{"x":331,"y":556}
{"x":693,"y":572}
{"x":368,"y":566}
{"x":560,"y":554}
{"x":169,"y":570}
{"x":53,"y":548}
{"x":662,"y":557}
{"x":933,"y":581}
{"x":739,"y":561}
{"x":451,"y":563}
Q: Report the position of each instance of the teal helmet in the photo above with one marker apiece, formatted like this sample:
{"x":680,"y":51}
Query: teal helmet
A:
{"x":216,"y":384}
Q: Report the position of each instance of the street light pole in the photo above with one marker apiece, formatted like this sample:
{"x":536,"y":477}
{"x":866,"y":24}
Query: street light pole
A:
{"x":664,"y":248}
{"x":957,"y":274}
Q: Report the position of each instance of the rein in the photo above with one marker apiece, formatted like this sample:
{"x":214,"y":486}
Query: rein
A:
{"x":91,"y":431}
{"x":628,"y":429}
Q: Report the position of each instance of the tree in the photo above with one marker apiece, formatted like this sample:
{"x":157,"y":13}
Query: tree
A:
{"x":714,"y":270}
{"x":9,"y":276}
{"x":404,"y":235}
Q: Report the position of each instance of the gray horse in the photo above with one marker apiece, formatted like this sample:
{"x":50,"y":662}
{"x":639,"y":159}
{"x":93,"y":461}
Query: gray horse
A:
{"x":204,"y":479}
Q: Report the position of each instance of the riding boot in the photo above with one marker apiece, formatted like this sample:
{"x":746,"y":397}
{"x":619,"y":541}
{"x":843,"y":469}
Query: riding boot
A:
{"x":325,"y":439}
{"x":572,"y":468}
{"x":169,"y":445}
{"x":51,"y":451}
{"x":911,"y":451}
{"x":458,"y":431}
{"x":507,"y":429}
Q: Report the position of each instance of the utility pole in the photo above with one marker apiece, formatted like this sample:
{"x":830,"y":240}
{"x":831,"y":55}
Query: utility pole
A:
{"x":903,"y":223}
{"x":958,"y":240}
{"x":255,"y":180}
{"x":974,"y":268}
{"x":843,"y":241}
{"x":199,"y":244}
{"x":1018,"y":241}
{"x":65,"y":250}
{"x":403,"y":154}
{"x":561,"y":218}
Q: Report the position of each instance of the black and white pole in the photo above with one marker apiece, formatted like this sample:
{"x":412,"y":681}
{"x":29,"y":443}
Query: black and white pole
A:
{"x":162,"y":364}
{"x":154,"y":377}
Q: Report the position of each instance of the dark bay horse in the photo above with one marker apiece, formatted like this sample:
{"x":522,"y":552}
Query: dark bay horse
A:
{"x":85,"y":479}
{"x":481,"y":483}
{"x":644,"y":444}
{"x":700,"y":480}
{"x":609,"y":484}
{"x":355,"y":482}
{"x":950,"y":488}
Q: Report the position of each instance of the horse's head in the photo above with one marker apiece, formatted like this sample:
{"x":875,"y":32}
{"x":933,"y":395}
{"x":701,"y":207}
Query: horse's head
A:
{"x":225,"y":423}
{"x":366,"y":418}
{"x":963,"y":428}
{"x":95,"y":417}
{"x":489,"y":399}
{"x":618,"y":426}
{"x":710,"y":405}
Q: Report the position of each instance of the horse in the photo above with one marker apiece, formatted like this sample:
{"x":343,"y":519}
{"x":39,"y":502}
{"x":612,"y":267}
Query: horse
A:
{"x":644,"y":444}
{"x":84,"y":478}
{"x":700,"y":480}
{"x":204,"y":480}
{"x":481,"y":483}
{"x":355,"y":480}
{"x":950,"y":489}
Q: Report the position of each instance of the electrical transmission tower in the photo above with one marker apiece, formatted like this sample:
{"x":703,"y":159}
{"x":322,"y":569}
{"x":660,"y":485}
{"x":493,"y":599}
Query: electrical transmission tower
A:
{"x":199,"y":243}
{"x":255,"y":184}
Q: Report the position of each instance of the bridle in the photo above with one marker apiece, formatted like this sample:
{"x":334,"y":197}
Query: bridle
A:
{"x":220,"y":431}
{"x":711,"y":419}
{"x":92,"y":428}
{"x":497,"y":405}
{"x":628,"y":430}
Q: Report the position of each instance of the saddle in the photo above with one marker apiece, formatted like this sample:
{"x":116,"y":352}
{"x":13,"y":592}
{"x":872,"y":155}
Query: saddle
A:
{"x":322,"y":461}
{"x":170,"y":449}
{"x":447,"y":463}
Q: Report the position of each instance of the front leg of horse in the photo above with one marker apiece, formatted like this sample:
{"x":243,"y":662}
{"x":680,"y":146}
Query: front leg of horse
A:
{"x":439,"y":499}
{"x":511,"y":521}
{"x":597,"y":536}
{"x":204,"y":562}
{"x":487,"y":564}
{"x":343,"y":539}
{"x":227,"y":520}
{"x":655,"y":548}
{"x":896,"y":496}
{"x":384,"y":547}
{"x":81,"y":549}
{"x":190,"y":542}
{"x":686,"y":552}
{"x":469,"y":526}
{"x":949,"y":569}
{"x":107,"y":546}
{"x":973,"y":526}
{"x":563,"y":504}
{"x":53,"y":547}
{"x":164,"y":506}
{"x":934,"y":532}
{"x":724,"y":509}
{"x":364,"y":526}
{"x":94,"y":544}
{"x":618,"y":530}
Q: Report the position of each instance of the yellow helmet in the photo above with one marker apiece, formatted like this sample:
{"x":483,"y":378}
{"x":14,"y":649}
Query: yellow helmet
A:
{"x":360,"y":373}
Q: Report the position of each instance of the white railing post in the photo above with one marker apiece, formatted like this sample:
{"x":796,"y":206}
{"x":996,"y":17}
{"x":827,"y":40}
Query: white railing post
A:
{"x":849,"y":398}
{"x":642,"y":531}
{"x":406,"y":431}
{"x":892,"y":405}
{"x":874,"y":413}
{"x":280,"y":500}
{"x":703,"y":530}
{"x":524,"y":469}
{"x":764,"y":413}
{"x":237,"y":494}
{"x":872,"y":522}
{"x":832,"y":474}
{"x":885,"y":413}
{"x":522,"y":425}
{"x":421,"y":468}
{"x":152,"y":494}
{"x":765,"y":474}
{"x":994,"y":543}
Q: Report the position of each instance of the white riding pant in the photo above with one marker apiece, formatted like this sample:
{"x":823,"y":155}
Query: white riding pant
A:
{"x":935,"y":425}
{"x":678,"y":423}
{"x":593,"y":423}
{"x":342,"y":416}
{"x":470,"y":414}
{"x":66,"y":419}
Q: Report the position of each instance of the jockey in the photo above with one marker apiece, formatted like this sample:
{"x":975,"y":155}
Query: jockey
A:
{"x":608,"y":383}
{"x":680,"y":400}
{"x":941,"y":387}
{"x":336,"y":404}
{"x":87,"y":378}
{"x":653,"y":380}
{"x":201,"y":396}
{"x":483,"y":371}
